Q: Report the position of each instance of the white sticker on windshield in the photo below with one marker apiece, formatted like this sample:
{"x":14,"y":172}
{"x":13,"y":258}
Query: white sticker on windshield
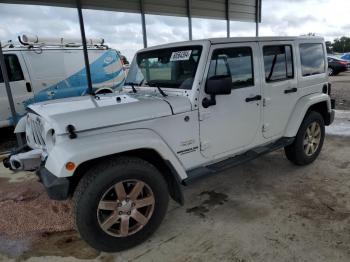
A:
{"x":180,"y":55}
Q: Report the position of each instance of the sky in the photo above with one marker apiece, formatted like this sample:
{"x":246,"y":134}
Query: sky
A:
{"x":122,"y":31}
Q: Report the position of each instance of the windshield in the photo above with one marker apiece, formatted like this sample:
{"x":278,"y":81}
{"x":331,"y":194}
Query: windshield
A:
{"x":171,"y":67}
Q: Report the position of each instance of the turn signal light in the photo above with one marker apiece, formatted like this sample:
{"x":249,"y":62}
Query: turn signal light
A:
{"x":70,"y":166}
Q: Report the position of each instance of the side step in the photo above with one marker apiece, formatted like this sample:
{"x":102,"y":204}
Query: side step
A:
{"x":200,"y":172}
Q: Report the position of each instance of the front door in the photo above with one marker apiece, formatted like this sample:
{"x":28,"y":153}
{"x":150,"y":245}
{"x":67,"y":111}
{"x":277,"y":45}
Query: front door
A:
{"x":233,"y":123}
{"x":279,"y":86}
{"x":20,"y":88}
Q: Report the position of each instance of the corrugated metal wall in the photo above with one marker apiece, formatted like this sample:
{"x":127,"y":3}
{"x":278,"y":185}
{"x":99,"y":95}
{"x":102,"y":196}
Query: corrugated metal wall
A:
{"x":239,"y":10}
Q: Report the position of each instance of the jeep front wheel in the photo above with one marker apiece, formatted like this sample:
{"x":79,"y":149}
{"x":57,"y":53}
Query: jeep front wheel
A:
{"x":309,"y":140}
{"x":120,"y":203}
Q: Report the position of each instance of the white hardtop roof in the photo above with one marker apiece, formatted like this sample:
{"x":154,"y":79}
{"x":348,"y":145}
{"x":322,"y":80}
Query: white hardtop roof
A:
{"x":225,"y":40}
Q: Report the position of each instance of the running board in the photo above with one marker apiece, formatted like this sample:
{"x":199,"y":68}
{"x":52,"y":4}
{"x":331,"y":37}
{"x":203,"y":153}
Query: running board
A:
{"x":200,"y":172}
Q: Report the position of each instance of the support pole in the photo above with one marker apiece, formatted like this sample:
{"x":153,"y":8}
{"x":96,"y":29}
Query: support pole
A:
{"x":189,"y":15}
{"x":257,"y":18}
{"x":143,"y":21}
{"x":228,"y":29}
{"x":9,"y":94}
{"x":85,"y":51}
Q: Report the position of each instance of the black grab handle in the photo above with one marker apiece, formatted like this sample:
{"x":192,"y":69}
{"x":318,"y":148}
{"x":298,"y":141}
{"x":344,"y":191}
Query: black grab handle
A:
{"x":292,"y":90}
{"x":254,"y":98}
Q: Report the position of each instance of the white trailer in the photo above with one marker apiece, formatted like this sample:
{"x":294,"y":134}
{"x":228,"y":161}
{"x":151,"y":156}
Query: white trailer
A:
{"x":49,"y":68}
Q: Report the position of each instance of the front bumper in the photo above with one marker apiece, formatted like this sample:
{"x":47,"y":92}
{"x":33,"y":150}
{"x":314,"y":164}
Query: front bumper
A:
{"x":57,"y":187}
{"x":30,"y":160}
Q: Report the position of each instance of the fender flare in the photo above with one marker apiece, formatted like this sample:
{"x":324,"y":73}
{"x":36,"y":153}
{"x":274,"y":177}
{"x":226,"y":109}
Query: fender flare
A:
{"x":300,"y":110}
{"x":86,"y":148}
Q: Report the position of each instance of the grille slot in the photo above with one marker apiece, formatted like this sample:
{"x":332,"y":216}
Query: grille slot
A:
{"x":35,"y":131}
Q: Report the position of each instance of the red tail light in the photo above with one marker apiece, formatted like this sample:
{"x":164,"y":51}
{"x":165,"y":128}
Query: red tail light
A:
{"x":342,"y":62}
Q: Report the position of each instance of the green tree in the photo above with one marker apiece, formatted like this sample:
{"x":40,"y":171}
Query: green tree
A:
{"x":341,"y":45}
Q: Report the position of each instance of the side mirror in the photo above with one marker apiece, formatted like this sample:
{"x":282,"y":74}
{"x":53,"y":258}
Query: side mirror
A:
{"x":217,"y":85}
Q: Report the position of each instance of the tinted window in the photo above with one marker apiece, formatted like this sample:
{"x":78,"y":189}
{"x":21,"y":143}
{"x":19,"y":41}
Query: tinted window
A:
{"x":235,"y":61}
{"x":312,"y":59}
{"x":278,"y":63}
{"x":14,"y":70}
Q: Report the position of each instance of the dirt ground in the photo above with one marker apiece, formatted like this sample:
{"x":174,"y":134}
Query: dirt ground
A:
{"x":341,"y":90}
{"x":265,"y":210}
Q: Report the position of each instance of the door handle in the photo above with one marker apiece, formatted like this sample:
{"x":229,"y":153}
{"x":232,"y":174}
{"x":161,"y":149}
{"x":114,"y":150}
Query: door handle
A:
{"x":254,"y":98}
{"x":292,"y":90}
{"x":29,"y":87}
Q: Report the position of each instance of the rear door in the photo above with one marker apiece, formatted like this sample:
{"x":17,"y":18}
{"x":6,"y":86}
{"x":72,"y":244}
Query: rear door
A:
{"x":21,"y":88}
{"x":280,"y":88}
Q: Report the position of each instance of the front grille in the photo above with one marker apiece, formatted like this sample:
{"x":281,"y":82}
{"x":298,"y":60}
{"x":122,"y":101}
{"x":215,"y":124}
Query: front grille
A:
{"x":34,"y":131}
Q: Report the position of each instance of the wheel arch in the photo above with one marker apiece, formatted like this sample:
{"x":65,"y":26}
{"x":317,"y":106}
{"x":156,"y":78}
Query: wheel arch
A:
{"x":315,"y":102}
{"x":164,"y":166}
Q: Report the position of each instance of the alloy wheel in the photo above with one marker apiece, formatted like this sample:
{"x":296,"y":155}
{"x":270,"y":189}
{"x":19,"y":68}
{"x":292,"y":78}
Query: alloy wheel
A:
{"x":312,"y":138}
{"x":125,"y":208}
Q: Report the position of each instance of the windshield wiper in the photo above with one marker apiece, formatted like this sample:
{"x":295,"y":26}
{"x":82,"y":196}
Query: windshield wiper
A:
{"x":158,"y":87}
{"x":132,"y":86}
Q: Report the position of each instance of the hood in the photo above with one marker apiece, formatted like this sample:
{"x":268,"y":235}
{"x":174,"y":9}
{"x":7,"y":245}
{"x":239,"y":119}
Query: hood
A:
{"x":88,"y":112}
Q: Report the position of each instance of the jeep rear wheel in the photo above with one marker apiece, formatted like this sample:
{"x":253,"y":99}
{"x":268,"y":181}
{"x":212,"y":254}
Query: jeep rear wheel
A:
{"x":120,"y":203}
{"x":309,"y":140}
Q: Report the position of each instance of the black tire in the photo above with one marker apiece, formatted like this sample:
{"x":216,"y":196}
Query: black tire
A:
{"x":97,"y":181}
{"x":295,"y":152}
{"x":330,"y":71}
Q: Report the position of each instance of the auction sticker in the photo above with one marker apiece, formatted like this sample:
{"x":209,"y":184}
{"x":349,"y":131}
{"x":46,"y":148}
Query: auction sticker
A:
{"x":180,"y":55}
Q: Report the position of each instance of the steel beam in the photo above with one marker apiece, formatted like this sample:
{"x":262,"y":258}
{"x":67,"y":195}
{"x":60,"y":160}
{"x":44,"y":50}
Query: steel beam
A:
{"x":143,"y":21}
{"x":85,"y":50}
{"x":9,"y":93}
{"x":228,"y":29}
{"x":189,"y":15}
{"x":257,"y":17}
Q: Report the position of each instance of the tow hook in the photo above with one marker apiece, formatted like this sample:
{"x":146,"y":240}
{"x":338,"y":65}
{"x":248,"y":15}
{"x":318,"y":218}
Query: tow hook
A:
{"x":29,"y":161}
{"x":6,"y":162}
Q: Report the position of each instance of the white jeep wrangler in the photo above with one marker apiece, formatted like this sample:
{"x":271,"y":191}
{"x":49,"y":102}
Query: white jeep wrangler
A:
{"x":187,"y":110}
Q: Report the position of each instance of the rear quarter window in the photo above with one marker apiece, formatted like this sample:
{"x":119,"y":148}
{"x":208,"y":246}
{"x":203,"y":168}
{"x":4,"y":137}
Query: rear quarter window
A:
{"x":312,"y":59}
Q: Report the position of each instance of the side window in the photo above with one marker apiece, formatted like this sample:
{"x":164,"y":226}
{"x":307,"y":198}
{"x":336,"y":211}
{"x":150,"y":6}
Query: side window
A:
{"x":237,"y":61}
{"x":278,"y":63}
{"x":312,"y":59}
{"x":14,"y":69}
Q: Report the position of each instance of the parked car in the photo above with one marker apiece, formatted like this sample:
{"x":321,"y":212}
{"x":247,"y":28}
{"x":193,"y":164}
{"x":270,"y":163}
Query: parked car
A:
{"x":211,"y":105}
{"x":48,"y":68}
{"x":337,"y":65}
{"x":346,"y":56}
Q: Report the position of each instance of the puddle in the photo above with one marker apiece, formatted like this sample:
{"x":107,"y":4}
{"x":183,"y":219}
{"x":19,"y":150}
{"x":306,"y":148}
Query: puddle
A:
{"x":214,"y":199}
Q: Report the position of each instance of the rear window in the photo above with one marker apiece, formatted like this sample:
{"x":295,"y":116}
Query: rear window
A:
{"x":312,"y":59}
{"x":278,"y":63}
{"x":14,"y":69}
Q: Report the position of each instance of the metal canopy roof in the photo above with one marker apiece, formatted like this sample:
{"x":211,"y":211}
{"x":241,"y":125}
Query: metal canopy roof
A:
{"x":235,"y":10}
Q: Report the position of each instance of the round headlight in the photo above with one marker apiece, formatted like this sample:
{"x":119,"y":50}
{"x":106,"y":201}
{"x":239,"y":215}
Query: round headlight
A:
{"x":50,"y":138}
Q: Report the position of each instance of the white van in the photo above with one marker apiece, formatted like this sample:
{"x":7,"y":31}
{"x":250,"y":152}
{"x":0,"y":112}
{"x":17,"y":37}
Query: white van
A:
{"x":45,"y":69}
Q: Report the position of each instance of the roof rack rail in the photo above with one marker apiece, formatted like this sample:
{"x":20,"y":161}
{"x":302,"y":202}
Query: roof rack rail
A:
{"x":36,"y":41}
